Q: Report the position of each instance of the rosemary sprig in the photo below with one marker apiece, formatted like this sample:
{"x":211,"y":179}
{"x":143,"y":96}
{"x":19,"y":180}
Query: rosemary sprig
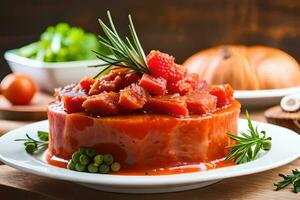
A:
{"x":293,"y":179}
{"x":127,"y":54}
{"x":32,"y":145}
{"x":248,"y":145}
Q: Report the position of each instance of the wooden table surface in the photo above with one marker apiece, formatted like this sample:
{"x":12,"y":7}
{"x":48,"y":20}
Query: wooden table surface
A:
{"x":19,"y":185}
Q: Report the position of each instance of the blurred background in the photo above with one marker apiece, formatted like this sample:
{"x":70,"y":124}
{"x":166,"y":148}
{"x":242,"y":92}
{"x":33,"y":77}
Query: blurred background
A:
{"x":178,"y":27}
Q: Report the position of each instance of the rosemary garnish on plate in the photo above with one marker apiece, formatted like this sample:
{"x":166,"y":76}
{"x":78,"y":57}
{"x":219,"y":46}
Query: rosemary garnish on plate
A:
{"x":293,"y":179}
{"x":32,"y":145}
{"x":248,"y":145}
{"x":126,"y":53}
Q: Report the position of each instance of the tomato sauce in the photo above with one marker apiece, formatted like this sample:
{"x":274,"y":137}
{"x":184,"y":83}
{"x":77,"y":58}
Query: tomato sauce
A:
{"x":59,"y":162}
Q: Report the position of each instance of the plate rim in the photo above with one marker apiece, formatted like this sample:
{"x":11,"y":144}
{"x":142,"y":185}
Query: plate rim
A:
{"x":269,"y":93}
{"x":142,"y":181}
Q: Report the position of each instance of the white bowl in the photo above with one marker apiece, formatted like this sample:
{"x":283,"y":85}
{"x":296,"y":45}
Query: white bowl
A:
{"x":51,"y":75}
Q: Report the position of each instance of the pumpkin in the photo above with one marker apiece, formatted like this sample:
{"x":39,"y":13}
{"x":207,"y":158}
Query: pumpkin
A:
{"x":246,"y":68}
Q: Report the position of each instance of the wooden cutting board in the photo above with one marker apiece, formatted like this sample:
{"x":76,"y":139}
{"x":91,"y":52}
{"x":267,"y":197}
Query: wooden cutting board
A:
{"x":36,"y":110}
{"x":275,"y":115}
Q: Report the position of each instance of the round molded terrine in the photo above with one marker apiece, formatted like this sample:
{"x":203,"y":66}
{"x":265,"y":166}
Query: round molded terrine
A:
{"x":144,"y":141}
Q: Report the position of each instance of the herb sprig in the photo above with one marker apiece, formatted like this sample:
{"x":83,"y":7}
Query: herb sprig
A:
{"x":248,"y":145}
{"x":293,"y":179}
{"x":126,"y":53}
{"x":32,"y":145}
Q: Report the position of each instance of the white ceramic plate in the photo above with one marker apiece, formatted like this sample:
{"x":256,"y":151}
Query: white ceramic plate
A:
{"x":285,"y":148}
{"x":263,"y":98}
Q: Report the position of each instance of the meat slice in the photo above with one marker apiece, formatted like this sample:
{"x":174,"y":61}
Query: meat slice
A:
{"x":105,"y":103}
{"x":170,"y":105}
{"x":155,"y":86}
{"x":224,"y":94}
{"x":130,"y":78}
{"x":107,"y":83}
{"x":132,"y":97}
{"x":201,"y":102}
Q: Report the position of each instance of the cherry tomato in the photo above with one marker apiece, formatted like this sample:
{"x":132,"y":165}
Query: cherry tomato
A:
{"x":18,"y":88}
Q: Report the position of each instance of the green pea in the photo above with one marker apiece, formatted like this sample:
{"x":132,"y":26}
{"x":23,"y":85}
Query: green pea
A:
{"x":90,"y":152}
{"x":71,"y":165}
{"x":84,"y":160}
{"x":115,"y":167}
{"x":82,"y":150}
{"x":43,"y":135}
{"x":267,"y":145}
{"x":108,"y":159}
{"x":75,"y":157}
{"x":93,"y":168}
{"x":79,"y":167}
{"x":30,"y":147}
{"x":104,"y":169}
{"x":98,"y":159}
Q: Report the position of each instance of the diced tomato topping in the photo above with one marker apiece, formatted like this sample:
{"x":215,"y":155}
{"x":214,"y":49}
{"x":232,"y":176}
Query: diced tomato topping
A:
{"x":177,"y":72}
{"x":168,"y":89}
{"x":59,"y":92}
{"x":224,"y":94}
{"x":73,"y":102}
{"x":94,"y":88}
{"x":202,"y":85}
{"x":192,"y":79}
{"x":184,"y":86}
{"x":155,"y":86}
{"x":132,"y":97}
{"x":201,"y":102}
{"x":86,"y":83}
{"x":167,"y":105}
{"x":105,"y":103}
{"x":130,"y":78}
{"x":181,"y":87}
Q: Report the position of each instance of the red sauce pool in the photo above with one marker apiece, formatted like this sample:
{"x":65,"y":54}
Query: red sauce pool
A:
{"x":59,"y":162}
